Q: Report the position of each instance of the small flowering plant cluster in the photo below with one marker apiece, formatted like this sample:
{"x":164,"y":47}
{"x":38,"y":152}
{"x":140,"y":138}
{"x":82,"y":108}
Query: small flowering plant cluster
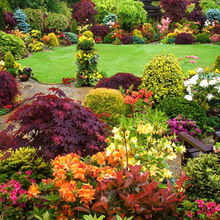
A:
{"x":200,"y":209}
{"x":204,"y":88}
{"x":182,"y":124}
{"x":164,"y":26}
{"x":25,"y":71}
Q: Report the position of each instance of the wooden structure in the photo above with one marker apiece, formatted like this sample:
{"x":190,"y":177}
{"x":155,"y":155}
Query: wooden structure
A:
{"x":152,"y":11}
{"x":194,"y":146}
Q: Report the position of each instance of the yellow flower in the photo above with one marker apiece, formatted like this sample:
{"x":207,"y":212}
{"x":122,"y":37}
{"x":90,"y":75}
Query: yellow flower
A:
{"x":145,"y":129}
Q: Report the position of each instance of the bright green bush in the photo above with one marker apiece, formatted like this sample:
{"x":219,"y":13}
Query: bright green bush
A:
{"x":9,"y":42}
{"x":4,"y":4}
{"x":107,"y":101}
{"x":21,"y":160}
{"x":204,"y":173}
{"x":74,"y":27}
{"x":9,"y":60}
{"x":164,"y":77}
{"x":203,"y":38}
{"x":217,"y":63}
{"x":175,"y":106}
{"x":65,"y":10}
{"x":53,"y":41}
{"x":88,"y":34}
{"x":108,"y":39}
{"x":56,"y":21}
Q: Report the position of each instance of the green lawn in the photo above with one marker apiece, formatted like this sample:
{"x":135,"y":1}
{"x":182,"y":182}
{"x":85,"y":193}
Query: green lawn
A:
{"x":51,"y":66}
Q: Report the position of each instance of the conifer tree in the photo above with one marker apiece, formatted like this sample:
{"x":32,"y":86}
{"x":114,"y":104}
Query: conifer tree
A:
{"x":21,"y":19}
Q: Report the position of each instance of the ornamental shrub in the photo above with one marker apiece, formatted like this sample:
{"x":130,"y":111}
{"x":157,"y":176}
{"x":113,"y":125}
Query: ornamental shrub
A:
{"x":9,"y":88}
{"x":9,"y":20}
{"x":126,"y":39}
{"x":10,"y":63}
{"x":204,"y":174}
{"x":9,"y":42}
{"x":213,"y":15}
{"x":109,"y":103}
{"x":74,"y":26}
{"x":84,"y":11}
{"x":137,"y":33}
{"x":88,"y":34}
{"x":53,"y":41}
{"x":184,"y":38}
{"x":217,"y":63}
{"x":56,"y":22}
{"x":138,"y":40}
{"x":55,"y":125}
{"x":21,"y":20}
{"x":100,"y":30}
{"x":108,"y":39}
{"x":164,"y":77}
{"x":73,"y":38}
{"x":124,"y":80}
{"x":109,"y":19}
{"x":203,"y":38}
{"x":175,"y":106}
{"x":2,"y":22}
{"x":209,"y":4}
{"x":21,"y":160}
{"x":197,"y":16}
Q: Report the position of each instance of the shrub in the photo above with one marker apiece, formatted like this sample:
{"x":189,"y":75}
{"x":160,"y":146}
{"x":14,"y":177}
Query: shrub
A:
{"x":138,"y":40}
{"x":56,"y":22}
{"x":109,"y":19}
{"x":54,"y":125}
{"x":213,"y":15}
{"x":137,"y":33}
{"x":184,"y":38}
{"x":110,"y":104}
{"x":84,"y":11}
{"x":175,"y":106}
{"x":126,"y":39}
{"x":108,"y":39}
{"x":35,"y":18}
{"x":148,"y":31}
{"x":53,"y":6}
{"x":2,"y":22}
{"x":164,"y":77}
{"x":21,"y":160}
{"x":214,"y":122}
{"x":174,"y":9}
{"x":21,"y":19}
{"x":73,"y":38}
{"x":53,"y":41}
{"x":88,"y":34}
{"x":9,"y":88}
{"x":74,"y":26}
{"x":204,"y":174}
{"x":197,"y":16}
{"x":9,"y":20}
{"x":14,"y":44}
{"x":100,"y":30}
{"x":203,"y":38}
{"x":217,"y":63}
{"x":124,"y":80}
{"x":36,"y":46}
{"x":10,"y":63}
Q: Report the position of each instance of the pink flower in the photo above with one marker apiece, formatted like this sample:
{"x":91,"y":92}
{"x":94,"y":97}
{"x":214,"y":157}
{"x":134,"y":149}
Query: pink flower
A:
{"x":209,"y":205}
{"x":195,"y":57}
{"x":192,"y":61}
{"x":190,"y":214}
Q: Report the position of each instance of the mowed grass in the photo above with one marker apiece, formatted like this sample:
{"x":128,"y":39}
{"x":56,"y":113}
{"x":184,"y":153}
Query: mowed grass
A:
{"x":51,"y":66}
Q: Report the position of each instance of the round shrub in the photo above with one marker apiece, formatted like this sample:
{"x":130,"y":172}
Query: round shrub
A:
{"x":88,"y":34}
{"x":109,"y":18}
{"x":9,"y":88}
{"x":184,"y":38}
{"x":138,"y":40}
{"x":107,"y":102}
{"x":213,"y":15}
{"x":53,"y":41}
{"x":203,"y":38}
{"x":126,"y":39}
{"x":21,"y":160}
{"x":175,"y":106}
{"x":99,"y":30}
{"x":73,"y":38}
{"x":217,"y":63}
{"x":124,"y":80}
{"x":204,"y":174}
{"x":86,"y":45}
{"x":164,"y":77}
{"x":55,"y":125}
{"x":197,"y":16}
{"x":108,"y":39}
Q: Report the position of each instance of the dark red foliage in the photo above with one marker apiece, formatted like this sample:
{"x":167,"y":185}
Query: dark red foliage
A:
{"x":84,"y":11}
{"x":136,"y":193}
{"x":184,"y":38}
{"x":126,"y":39}
{"x":124,"y":80}
{"x":174,"y":9}
{"x":8,"y":88}
{"x":9,"y":20}
{"x":197,"y":16}
{"x":100,"y":30}
{"x":56,"y":125}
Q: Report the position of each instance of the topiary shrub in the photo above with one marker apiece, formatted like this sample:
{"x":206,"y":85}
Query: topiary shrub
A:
{"x":124,"y":80}
{"x":14,"y":44}
{"x":10,"y":63}
{"x":204,"y":174}
{"x":213,"y":15}
{"x":55,"y":125}
{"x":164,"y":77}
{"x":9,"y":88}
{"x":203,"y":38}
{"x":21,"y":19}
{"x":21,"y":160}
{"x":184,"y":38}
{"x":109,"y":103}
{"x":99,"y":30}
{"x":53,"y":41}
{"x":126,"y":39}
{"x":108,"y":39}
{"x":175,"y":106}
{"x":74,"y":26}
{"x":88,"y":34}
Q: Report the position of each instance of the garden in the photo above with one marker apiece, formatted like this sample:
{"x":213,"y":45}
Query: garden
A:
{"x":109,"y":109}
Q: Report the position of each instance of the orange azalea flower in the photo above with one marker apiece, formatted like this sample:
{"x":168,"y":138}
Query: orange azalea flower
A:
{"x":66,"y":210}
{"x":61,"y":217}
{"x":86,"y":193}
{"x":67,"y":191}
{"x":100,"y":157}
{"x":60,"y":173}
{"x":33,"y":191}
{"x":80,"y":174}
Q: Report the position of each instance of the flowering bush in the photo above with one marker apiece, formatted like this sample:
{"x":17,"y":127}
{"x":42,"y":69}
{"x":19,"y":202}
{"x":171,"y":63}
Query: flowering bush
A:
{"x":164,"y":26}
{"x":36,"y":46}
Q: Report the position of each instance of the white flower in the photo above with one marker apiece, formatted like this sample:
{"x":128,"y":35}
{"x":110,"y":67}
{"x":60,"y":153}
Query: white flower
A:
{"x":209,"y":96}
{"x":218,"y":88}
{"x":204,"y":83}
{"x":199,"y":70}
{"x":213,"y":82}
{"x":188,"y":89}
{"x":189,"y":97}
{"x":194,"y":79}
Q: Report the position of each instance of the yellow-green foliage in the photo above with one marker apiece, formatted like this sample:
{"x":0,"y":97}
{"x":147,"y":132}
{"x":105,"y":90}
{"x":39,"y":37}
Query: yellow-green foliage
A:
{"x":88,"y":34}
{"x":164,"y":77}
{"x":9,"y":60}
{"x":53,"y":41}
{"x":109,"y":101}
{"x":21,"y":160}
{"x":217,"y":64}
{"x":137,"y":33}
